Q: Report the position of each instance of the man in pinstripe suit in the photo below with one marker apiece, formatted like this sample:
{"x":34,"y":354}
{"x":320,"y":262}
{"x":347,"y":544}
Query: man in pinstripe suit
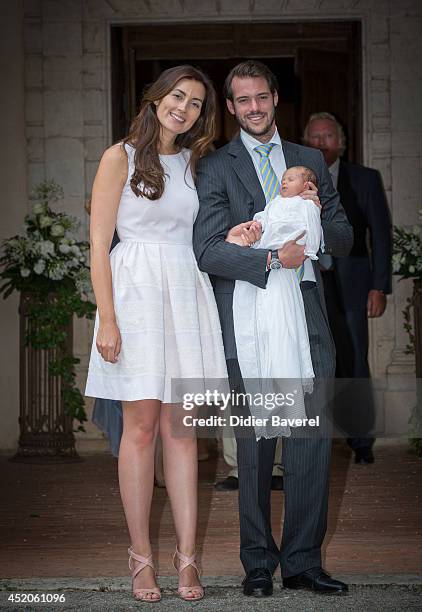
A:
{"x":230,"y":190}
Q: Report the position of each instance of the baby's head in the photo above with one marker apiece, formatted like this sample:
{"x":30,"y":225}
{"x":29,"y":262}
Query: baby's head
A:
{"x":294,"y":180}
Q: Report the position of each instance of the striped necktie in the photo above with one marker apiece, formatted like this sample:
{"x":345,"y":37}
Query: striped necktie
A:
{"x":270,"y":183}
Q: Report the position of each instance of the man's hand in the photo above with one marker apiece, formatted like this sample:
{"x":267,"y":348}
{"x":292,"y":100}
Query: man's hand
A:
{"x":311,"y":193}
{"x":376,"y":303}
{"x":245,"y":234}
{"x":292,"y":255}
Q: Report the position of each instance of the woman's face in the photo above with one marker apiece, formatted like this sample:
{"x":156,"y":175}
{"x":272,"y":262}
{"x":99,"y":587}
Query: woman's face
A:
{"x":181,"y":107}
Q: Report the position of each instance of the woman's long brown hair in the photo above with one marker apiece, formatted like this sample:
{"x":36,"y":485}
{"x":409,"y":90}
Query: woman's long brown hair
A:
{"x":144,"y":133}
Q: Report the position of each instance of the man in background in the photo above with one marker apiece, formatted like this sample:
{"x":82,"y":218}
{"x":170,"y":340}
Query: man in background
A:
{"x":355,"y":286}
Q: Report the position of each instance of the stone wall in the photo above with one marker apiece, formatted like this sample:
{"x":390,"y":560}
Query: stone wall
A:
{"x":67,"y":95}
{"x":12,"y":203}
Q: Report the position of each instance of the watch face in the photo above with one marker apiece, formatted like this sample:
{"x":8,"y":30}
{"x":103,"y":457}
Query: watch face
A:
{"x":275,"y":264}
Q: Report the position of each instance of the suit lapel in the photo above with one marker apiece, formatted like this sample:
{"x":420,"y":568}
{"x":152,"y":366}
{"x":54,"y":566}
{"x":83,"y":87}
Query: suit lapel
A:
{"x":291,"y":155}
{"x":342,"y":182}
{"x":245,"y":170}
{"x":346,"y":192}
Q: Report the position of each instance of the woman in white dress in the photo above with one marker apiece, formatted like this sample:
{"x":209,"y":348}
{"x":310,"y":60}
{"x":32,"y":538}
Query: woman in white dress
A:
{"x":157,"y":319}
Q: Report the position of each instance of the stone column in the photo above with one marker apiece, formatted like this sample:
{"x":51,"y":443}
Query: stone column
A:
{"x":406,"y":162}
{"x":13,"y":202}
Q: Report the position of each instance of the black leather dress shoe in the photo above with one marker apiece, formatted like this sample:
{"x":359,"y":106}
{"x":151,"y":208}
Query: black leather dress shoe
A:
{"x":231,"y":483}
{"x":364,"y":455}
{"x":258,"y":583}
{"x":316,"y":579}
{"x":277,"y":483}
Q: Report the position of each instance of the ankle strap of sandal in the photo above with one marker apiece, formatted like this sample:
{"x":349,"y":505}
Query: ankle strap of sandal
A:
{"x":185,"y":561}
{"x":143,"y":562}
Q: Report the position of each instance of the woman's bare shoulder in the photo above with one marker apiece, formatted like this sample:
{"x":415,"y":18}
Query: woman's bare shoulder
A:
{"x":114,"y":162}
{"x":115,"y":154}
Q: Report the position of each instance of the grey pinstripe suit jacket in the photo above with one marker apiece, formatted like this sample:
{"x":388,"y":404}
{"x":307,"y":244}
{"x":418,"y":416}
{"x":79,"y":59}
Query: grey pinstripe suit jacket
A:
{"x":230,"y":193}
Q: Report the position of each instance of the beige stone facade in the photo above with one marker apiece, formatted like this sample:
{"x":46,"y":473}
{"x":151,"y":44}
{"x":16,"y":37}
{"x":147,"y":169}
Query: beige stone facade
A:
{"x":56,"y":67}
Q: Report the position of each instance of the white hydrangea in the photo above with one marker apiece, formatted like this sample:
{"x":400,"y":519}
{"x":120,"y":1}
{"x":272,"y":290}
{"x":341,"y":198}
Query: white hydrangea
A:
{"x":56,"y":273}
{"x":39,"y":267}
{"x":39,"y":208}
{"x":64,"y":248}
{"x":75,"y":250}
{"x":45,"y":221}
{"x":25,"y":272}
{"x":46,"y":248}
{"x":57,"y":230}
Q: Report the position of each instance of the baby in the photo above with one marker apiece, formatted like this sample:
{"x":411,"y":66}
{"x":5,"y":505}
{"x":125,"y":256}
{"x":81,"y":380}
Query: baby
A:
{"x":277,"y":346}
{"x":280,"y":209}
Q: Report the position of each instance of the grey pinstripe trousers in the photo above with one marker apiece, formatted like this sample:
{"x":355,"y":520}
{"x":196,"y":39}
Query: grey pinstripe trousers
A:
{"x":306,"y":463}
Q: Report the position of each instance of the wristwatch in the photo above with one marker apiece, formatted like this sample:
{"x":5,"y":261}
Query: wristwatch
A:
{"x":275,"y":263}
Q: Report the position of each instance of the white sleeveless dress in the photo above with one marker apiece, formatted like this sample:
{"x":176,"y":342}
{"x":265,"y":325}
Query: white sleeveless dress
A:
{"x":164,"y":305}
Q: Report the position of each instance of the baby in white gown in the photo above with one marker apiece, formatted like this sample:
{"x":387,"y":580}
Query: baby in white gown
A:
{"x":270,"y":325}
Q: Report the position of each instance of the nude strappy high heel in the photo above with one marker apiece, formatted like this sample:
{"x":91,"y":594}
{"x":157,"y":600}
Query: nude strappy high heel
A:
{"x":141,"y":594}
{"x":184,"y":561}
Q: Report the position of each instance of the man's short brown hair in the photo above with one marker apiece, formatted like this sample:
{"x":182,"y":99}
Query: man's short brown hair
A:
{"x":247,"y":70}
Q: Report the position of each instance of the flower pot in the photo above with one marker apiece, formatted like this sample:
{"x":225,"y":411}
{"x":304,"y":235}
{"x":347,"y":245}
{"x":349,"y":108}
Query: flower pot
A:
{"x":46,"y":431}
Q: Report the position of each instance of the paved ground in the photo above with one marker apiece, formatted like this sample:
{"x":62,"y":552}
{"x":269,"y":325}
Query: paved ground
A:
{"x":62,"y":530}
{"x":67,"y":520}
{"x":221,"y":594}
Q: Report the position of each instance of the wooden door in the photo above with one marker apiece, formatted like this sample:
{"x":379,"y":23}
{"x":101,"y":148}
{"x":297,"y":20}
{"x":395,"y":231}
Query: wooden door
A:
{"x":326,"y":84}
{"x":302,"y":56}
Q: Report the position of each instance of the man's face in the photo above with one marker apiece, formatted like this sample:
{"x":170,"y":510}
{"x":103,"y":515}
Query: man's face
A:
{"x":253,"y":106}
{"x":323,"y":135}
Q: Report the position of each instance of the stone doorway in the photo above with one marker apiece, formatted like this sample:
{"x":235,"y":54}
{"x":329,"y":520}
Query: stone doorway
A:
{"x":318,"y":65}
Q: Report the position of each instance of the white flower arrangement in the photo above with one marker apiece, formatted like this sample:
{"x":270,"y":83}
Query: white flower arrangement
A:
{"x":49,"y":265}
{"x":407,"y":251}
{"x":49,"y":249}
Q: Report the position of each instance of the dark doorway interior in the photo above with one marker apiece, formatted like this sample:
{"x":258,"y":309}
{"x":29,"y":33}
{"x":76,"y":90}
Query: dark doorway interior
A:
{"x":317,"y":64}
{"x":148,"y":70}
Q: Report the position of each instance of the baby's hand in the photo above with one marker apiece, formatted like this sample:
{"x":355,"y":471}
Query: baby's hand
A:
{"x":245,"y":234}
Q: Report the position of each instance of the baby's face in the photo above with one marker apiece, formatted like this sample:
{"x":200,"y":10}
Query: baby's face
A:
{"x":292,"y":183}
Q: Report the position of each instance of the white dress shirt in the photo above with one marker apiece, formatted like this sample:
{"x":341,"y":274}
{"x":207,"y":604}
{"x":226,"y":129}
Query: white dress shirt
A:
{"x":278,"y":162}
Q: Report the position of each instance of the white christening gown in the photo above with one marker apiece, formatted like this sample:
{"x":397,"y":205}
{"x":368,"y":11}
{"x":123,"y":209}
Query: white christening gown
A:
{"x":164,"y":305}
{"x":270,"y":325}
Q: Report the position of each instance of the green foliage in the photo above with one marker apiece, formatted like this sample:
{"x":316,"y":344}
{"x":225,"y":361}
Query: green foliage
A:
{"x":408,"y":327}
{"x":50,"y":265}
{"x":407,"y":252}
{"x":415,"y":442}
{"x":407,"y":263}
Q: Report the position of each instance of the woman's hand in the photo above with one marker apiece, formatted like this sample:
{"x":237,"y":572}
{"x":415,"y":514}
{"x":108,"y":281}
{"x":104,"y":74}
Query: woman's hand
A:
{"x":311,"y":193}
{"x":245,"y":234}
{"x":109,"y":341}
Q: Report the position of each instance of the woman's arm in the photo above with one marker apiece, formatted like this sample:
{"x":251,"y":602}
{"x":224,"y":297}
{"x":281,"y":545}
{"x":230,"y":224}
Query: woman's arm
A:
{"x":106,"y":192}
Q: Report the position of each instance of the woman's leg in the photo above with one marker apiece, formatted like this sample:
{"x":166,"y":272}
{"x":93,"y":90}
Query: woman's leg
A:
{"x":180,"y":456}
{"x":136,"y":477}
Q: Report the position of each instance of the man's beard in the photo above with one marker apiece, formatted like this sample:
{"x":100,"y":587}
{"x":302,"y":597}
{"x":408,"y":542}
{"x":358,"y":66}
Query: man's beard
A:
{"x":259,"y":131}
